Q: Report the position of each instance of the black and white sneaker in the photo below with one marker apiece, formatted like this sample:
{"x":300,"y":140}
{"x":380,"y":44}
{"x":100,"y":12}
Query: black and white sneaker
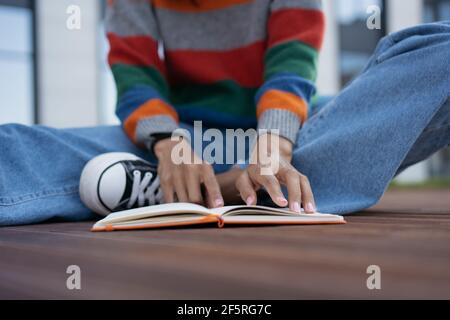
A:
{"x":119,"y":181}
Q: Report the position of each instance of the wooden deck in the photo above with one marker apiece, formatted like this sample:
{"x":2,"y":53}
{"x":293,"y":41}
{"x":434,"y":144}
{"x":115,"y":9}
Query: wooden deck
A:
{"x":407,"y":235}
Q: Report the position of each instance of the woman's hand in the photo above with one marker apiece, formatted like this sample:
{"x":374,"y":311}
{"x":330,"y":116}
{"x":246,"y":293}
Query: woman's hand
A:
{"x":270,"y":167}
{"x":183,"y":182}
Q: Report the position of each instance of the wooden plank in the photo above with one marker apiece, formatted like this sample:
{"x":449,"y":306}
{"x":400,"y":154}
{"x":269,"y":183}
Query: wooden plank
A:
{"x":412,"y":250}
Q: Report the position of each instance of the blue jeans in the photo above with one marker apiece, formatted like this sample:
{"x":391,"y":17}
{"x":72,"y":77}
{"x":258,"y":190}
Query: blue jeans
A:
{"x":395,"y":114}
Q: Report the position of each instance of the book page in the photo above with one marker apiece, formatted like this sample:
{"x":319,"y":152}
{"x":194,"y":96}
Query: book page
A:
{"x":244,"y":209}
{"x":254,"y":214}
{"x":316,"y":218}
{"x":156,"y":211}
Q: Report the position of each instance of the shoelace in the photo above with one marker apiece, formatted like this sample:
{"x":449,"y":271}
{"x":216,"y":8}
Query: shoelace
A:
{"x":144,"y":193}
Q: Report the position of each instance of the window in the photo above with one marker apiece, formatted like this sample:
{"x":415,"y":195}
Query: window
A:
{"x":357,"y":42}
{"x":17,"y":67}
{"x":436,"y":10}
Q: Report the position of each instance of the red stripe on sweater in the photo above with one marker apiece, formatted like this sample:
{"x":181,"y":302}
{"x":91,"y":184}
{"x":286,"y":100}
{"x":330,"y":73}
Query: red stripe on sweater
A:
{"x":306,"y":25}
{"x":244,"y":65}
{"x":196,"y":5}
{"x":134,"y":50}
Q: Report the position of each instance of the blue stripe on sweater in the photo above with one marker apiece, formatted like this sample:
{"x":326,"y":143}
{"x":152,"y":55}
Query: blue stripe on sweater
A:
{"x":133,"y":99}
{"x":288,"y":82}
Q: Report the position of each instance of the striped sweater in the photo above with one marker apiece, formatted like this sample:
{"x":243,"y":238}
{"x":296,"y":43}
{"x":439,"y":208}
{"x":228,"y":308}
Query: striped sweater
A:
{"x":230,"y":63}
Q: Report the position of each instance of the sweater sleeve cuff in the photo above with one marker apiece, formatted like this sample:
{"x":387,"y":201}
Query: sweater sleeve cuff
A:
{"x":285,"y":123}
{"x":147,"y":127}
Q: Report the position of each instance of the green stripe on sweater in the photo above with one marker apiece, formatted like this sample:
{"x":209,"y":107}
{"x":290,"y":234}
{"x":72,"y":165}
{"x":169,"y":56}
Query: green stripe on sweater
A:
{"x":223,"y":96}
{"x":128,"y":76}
{"x":292,"y":57}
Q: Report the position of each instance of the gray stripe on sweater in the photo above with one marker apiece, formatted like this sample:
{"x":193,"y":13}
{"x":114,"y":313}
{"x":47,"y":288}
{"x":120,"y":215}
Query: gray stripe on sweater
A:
{"x":285,"y":121}
{"x":131,"y":18}
{"x":223,"y":29}
{"x":152,"y":125}
{"x":292,"y":4}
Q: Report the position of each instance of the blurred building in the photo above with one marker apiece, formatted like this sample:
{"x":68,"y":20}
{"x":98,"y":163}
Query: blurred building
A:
{"x":350,"y":44}
{"x":52,"y":75}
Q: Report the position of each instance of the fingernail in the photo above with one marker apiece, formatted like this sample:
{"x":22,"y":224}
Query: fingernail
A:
{"x":296,"y":207}
{"x":310,"y":207}
{"x":249,"y":201}
{"x":282,"y":201}
{"x":219,"y":203}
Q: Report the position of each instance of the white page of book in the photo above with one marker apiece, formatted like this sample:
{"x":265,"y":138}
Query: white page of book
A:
{"x":155,"y":211}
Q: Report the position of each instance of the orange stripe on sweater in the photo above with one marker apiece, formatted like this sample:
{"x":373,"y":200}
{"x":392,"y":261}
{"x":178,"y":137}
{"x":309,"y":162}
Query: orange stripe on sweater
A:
{"x":280,"y":100}
{"x":155,"y":107}
{"x":196,"y":5}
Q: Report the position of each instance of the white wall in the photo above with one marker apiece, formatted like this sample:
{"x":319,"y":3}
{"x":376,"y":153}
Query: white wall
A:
{"x":328,"y":82}
{"x":404,"y":13}
{"x":67,"y":60}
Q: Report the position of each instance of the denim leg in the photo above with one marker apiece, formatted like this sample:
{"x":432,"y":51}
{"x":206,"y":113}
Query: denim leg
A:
{"x":435,"y":137}
{"x":353,"y":147}
{"x":40,"y":169}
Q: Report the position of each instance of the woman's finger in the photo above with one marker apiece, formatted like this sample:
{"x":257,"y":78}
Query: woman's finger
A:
{"x":307,"y":195}
{"x":245,"y":187}
{"x":165,"y":181}
{"x":212,"y":187}
{"x":192,"y":182}
{"x":168,"y":191}
{"x":292,"y":180}
{"x":272,"y":186}
{"x":179,"y":185}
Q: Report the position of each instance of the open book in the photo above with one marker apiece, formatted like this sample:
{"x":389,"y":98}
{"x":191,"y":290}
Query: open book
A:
{"x":185,"y":214}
